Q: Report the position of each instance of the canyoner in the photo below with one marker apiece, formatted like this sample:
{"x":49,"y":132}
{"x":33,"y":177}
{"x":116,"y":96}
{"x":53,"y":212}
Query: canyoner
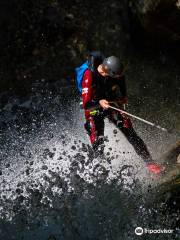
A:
{"x":101,"y":81}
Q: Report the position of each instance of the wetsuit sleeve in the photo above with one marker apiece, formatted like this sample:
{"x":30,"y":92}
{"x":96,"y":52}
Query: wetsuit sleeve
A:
{"x":87,"y":91}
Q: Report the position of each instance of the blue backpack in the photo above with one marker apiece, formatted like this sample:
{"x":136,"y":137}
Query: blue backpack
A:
{"x":79,"y":75}
{"x":94,"y":59}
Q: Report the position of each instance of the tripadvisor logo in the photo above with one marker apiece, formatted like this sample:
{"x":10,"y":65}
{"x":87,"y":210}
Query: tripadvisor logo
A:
{"x":139,"y":231}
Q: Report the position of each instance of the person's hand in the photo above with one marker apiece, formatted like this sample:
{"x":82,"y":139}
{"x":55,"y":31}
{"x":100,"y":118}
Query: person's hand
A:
{"x":104,"y":104}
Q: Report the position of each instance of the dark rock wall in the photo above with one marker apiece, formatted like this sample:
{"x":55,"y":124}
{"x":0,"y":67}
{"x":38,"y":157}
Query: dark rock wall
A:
{"x":159,"y":18}
{"x":46,"y":39}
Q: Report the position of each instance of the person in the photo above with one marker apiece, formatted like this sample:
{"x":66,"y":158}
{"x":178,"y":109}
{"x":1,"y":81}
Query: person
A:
{"x":101,"y":86}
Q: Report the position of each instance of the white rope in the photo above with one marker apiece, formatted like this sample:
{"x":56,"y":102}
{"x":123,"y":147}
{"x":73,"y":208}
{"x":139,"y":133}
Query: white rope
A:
{"x":140,"y":119}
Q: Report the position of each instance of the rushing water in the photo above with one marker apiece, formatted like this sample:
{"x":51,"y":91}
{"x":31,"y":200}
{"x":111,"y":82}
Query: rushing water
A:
{"x":52,"y":187}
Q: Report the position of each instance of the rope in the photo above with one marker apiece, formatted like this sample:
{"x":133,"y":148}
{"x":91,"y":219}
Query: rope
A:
{"x":140,"y":119}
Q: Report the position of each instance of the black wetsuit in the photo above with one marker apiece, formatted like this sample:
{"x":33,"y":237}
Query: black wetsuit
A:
{"x":96,"y":87}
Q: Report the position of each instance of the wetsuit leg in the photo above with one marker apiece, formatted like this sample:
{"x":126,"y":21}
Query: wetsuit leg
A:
{"x":95,"y":128}
{"x":124,"y":124}
{"x":138,"y":144}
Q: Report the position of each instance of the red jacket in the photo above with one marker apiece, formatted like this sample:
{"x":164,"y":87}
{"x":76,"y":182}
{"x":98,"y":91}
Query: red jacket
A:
{"x":94,"y":90}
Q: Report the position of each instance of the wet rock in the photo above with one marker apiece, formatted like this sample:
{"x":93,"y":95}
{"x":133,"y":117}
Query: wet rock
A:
{"x":46,"y":150}
{"x":48,"y":153}
{"x":51,"y":154}
{"x":73,"y":147}
{"x":27,"y":171}
{"x":108,"y":153}
{"x":7,"y":165}
{"x":44,"y":167}
{"x":31,"y":163}
{"x":29,"y":154}
{"x":20,"y":184}
{"x":159,"y":18}
{"x":79,"y":157}
{"x":108,"y":160}
{"x":106,"y":139}
{"x":100,"y":173}
{"x":64,"y":153}
{"x":35,"y":193}
{"x":21,"y":199}
{"x":74,"y":164}
{"x":51,"y":135}
{"x":84,"y":147}
{"x":19,"y":191}
{"x":62,"y":136}
{"x":115,"y":131}
{"x":46,"y":178}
